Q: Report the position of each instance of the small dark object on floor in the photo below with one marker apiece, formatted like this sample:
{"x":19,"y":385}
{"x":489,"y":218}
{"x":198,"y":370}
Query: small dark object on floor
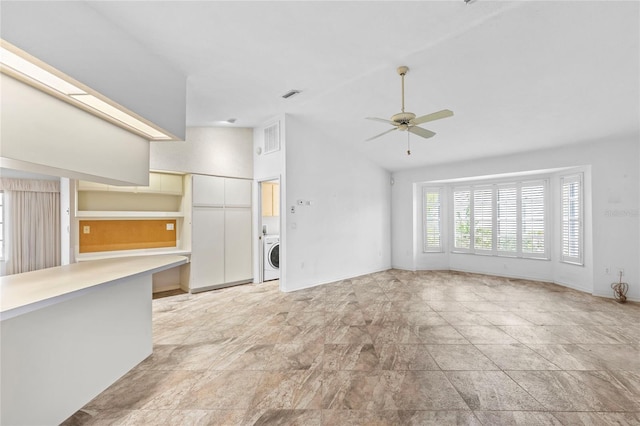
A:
{"x":620,"y":290}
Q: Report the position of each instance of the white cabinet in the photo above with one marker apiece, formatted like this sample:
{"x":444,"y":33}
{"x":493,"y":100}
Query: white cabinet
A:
{"x":159,"y":183}
{"x":270,"y":199}
{"x":207,"y":247}
{"x":221,"y":252}
{"x":237,"y":245}
{"x":208,"y":190}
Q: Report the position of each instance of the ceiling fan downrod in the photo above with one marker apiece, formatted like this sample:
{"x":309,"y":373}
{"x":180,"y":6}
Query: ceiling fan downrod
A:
{"x":403,"y":71}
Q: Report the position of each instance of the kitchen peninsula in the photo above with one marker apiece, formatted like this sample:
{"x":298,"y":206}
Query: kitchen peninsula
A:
{"x":71,"y":331}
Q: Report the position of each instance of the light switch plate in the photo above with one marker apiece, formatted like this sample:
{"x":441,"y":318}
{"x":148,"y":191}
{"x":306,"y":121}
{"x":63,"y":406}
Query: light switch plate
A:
{"x":169,"y":226}
{"x":86,"y":229}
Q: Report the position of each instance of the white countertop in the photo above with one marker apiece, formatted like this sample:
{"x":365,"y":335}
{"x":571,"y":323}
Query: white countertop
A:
{"x":30,"y":291}
{"x":83,"y":257}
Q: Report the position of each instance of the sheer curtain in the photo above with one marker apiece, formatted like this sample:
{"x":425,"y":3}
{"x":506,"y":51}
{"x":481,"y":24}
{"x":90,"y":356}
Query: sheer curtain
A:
{"x":32,"y":209}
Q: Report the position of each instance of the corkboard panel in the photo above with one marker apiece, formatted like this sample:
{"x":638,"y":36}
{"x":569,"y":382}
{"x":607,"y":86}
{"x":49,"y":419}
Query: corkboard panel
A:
{"x":108,"y":235}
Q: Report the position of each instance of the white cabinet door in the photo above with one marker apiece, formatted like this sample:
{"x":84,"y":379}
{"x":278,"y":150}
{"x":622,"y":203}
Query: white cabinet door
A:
{"x":237,"y":192}
{"x":237,"y":241}
{"x":208,"y":190}
{"x":207,"y":247}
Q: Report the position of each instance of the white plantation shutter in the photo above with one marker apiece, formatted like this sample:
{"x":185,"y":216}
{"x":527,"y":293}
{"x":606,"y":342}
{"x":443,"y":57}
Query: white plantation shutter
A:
{"x":483,"y":219}
{"x":507,"y":219}
{"x":462,"y":219}
{"x":502,"y":219}
{"x":572,"y":213}
{"x":533,"y":219}
{"x":432,"y":198}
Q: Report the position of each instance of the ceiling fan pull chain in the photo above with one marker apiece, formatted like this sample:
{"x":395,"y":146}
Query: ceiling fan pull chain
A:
{"x":408,"y":144}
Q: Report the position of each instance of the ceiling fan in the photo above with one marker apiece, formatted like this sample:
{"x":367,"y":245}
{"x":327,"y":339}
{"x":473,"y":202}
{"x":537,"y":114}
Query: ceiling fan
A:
{"x":408,"y":120}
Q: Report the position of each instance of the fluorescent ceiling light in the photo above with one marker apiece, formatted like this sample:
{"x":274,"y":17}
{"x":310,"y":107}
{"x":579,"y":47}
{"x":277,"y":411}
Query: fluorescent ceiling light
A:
{"x":31,"y":70}
{"x":121,"y":116}
{"x":21,"y":65}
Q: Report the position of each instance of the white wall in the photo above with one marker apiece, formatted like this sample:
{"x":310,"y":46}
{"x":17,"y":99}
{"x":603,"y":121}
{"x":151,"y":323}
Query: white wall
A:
{"x":75,"y":39}
{"x":613,"y":182}
{"x":44,"y":135}
{"x":345,"y":232}
{"x":218,"y":151}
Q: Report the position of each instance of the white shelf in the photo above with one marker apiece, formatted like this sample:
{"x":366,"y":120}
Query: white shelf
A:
{"x":123,"y":215}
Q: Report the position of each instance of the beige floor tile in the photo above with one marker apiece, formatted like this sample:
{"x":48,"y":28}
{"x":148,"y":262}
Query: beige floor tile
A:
{"x":534,"y":334}
{"x":491,"y":390}
{"x":219,"y":390}
{"x":296,"y":356}
{"x":516,"y":357}
{"x":205,"y":417}
{"x":146,"y":390}
{"x":396,"y":347}
{"x":598,"y":419}
{"x":517,"y":418}
{"x":275,"y":417}
{"x":578,"y":390}
{"x":483,"y":334}
{"x":389,"y":390}
{"x":405,"y":357}
{"x":355,"y":356}
{"x":437,"y":418}
{"x":460,"y":357}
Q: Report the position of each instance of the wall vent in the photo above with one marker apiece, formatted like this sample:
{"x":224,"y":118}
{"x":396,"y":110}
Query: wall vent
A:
{"x":272,"y":138}
{"x":290,"y":93}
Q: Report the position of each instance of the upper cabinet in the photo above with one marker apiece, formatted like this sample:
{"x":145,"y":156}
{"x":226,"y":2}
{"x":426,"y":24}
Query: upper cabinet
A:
{"x":163,"y":197}
{"x":270,"y":199}
{"x":214,"y":191}
{"x":159,"y":183}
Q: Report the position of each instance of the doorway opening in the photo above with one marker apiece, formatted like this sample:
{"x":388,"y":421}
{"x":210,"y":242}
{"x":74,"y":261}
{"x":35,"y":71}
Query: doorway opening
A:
{"x":270,"y":229}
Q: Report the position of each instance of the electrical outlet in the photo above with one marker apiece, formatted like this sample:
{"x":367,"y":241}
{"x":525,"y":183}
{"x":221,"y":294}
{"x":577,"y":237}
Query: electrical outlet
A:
{"x":86,"y":229}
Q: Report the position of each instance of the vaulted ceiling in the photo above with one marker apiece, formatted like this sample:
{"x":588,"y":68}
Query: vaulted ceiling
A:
{"x":519,"y":76}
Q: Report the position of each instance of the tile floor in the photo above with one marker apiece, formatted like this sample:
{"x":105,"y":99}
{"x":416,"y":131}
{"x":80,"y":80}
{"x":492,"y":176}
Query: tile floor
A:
{"x":395,"y":347}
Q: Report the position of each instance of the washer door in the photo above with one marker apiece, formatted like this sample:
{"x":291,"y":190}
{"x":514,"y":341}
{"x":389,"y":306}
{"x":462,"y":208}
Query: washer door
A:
{"x":274,"y":256}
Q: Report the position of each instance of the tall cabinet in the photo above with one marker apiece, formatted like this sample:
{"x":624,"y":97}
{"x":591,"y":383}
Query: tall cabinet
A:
{"x":221,"y":232}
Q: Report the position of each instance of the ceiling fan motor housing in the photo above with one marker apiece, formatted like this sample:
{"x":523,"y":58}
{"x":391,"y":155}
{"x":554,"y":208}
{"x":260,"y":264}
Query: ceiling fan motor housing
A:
{"x":403,"y":117}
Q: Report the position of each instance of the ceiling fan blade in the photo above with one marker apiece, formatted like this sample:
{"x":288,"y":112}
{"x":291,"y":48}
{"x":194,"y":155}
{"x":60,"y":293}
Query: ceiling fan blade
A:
{"x":393,"y":123}
{"x":381,"y":134}
{"x":421,"y":132}
{"x":433,"y":116}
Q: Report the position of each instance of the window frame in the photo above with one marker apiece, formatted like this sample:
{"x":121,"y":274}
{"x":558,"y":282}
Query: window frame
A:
{"x":568,"y":179}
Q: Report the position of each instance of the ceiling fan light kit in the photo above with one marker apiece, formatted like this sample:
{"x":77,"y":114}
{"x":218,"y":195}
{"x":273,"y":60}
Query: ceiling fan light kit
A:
{"x":407,"y":120}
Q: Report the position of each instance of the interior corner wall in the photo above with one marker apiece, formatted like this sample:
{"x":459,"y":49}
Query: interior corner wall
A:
{"x":217,"y":151}
{"x":612,"y":209}
{"x":73,"y":38}
{"x":45,"y":135}
{"x":345,"y":231}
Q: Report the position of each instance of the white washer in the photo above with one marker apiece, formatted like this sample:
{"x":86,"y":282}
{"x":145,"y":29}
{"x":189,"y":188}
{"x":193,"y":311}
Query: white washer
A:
{"x":271,"y":257}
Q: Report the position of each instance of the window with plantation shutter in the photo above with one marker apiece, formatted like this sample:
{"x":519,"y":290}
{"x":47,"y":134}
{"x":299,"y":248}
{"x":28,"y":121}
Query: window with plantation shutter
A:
{"x":572,"y":213}
{"x":533,"y":219}
{"x":432,"y":198}
{"x":507,"y":219}
{"x":483,"y":219}
{"x":462,"y":219}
